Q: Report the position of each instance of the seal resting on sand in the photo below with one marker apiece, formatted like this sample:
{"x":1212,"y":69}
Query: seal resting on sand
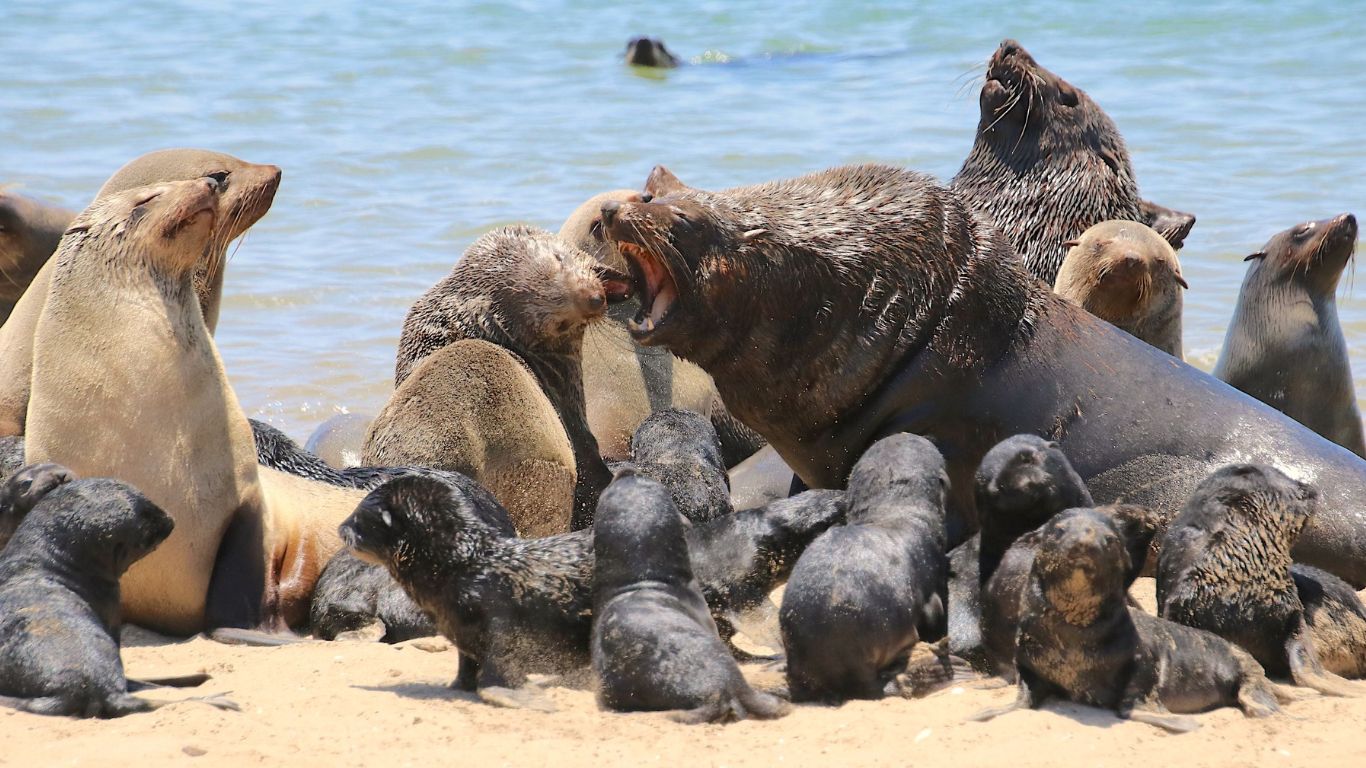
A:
{"x":890,"y":307}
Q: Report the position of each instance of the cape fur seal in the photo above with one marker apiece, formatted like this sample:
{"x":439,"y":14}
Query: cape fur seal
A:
{"x":29,"y":232}
{"x":1224,"y":565}
{"x":854,"y":604}
{"x":1284,"y":345}
{"x":1047,"y":163}
{"x":249,"y":542}
{"x":1080,"y":640}
{"x":1124,"y":273}
{"x":522,"y":289}
{"x":650,"y":52}
{"x":623,"y":382}
{"x":59,"y":600}
{"x":248,"y":190}
{"x":680,"y":450}
{"x":896,"y":309}
{"x":654,"y":646}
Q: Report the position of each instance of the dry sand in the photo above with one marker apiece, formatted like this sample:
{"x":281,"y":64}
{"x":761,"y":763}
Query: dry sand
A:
{"x":360,"y":703}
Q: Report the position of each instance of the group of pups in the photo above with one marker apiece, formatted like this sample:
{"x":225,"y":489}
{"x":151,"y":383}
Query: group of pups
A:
{"x":548,"y":485}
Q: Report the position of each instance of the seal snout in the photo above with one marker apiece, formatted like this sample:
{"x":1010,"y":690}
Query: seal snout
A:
{"x":609,"y":210}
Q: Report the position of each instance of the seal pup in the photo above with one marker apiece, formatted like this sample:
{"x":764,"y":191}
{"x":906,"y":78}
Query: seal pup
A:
{"x":680,"y":450}
{"x":29,"y":232}
{"x":512,"y":607}
{"x":23,"y":489}
{"x":247,"y":192}
{"x":1080,"y":640}
{"x":1047,"y":163}
{"x":623,"y":382}
{"x":913,"y":314}
{"x":340,"y":440}
{"x":856,"y":599}
{"x":1224,"y":565}
{"x":1126,"y":274}
{"x":654,"y":646}
{"x":524,"y":290}
{"x":1284,"y":345}
{"x":59,"y":600}
{"x":650,"y":52}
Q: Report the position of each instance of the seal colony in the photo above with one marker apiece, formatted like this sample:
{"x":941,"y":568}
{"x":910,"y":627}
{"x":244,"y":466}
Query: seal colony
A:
{"x":991,"y":462}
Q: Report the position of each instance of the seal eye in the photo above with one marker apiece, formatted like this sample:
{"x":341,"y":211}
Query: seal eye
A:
{"x":1302,"y":230}
{"x":646,"y":197}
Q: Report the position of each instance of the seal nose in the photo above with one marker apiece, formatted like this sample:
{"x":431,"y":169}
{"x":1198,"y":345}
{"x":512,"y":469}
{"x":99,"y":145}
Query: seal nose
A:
{"x":1009,"y":47}
{"x":1348,"y":221}
{"x":609,"y":212}
{"x":597,"y":301}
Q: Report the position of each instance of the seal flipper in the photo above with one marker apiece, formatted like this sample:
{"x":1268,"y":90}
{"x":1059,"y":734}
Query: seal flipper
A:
{"x":1173,"y":225}
{"x":1026,"y":698}
{"x":176,"y":681}
{"x":1162,"y":719}
{"x":467,"y":673}
{"x":926,"y":676}
{"x":529,"y":696}
{"x":238,"y":589}
{"x":1308,"y":671}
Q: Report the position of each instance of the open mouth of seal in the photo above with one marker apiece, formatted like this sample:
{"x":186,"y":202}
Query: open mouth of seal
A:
{"x":654,"y":285}
{"x":616,"y":286}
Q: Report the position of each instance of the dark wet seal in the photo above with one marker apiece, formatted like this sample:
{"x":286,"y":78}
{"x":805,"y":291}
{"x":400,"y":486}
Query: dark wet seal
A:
{"x":650,"y":52}
{"x":654,"y":644}
{"x":1079,"y":640}
{"x":680,"y":449}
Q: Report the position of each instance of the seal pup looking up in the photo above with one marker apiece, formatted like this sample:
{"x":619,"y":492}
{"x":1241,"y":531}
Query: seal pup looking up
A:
{"x":680,"y":450}
{"x":1224,"y":565}
{"x":511,"y":606}
{"x":29,"y":232}
{"x":898,"y":309}
{"x":1284,"y":345}
{"x":1080,"y":640}
{"x":654,"y":645}
{"x":247,"y":192}
{"x":855,"y":601}
{"x":1124,"y":273}
{"x":532,"y":294}
{"x":23,"y":489}
{"x":59,"y":600}
{"x":1047,"y":163}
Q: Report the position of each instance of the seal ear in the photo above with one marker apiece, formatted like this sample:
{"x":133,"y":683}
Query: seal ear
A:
{"x":1071,"y":244}
{"x":1257,"y":255}
{"x":662,"y":181}
{"x":1173,"y":225}
{"x":753,"y":234}
{"x":1181,"y":281}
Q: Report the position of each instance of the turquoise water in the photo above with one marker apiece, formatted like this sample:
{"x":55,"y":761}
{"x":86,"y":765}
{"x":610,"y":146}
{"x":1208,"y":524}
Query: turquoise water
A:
{"x":404,"y":132}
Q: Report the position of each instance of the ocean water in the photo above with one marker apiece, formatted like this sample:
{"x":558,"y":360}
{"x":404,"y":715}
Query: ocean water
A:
{"x":405,"y":130}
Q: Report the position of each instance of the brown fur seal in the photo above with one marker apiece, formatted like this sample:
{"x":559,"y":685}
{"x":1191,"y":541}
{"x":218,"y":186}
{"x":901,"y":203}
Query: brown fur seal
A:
{"x":29,"y":232}
{"x":1224,"y":565}
{"x":1285,"y":345}
{"x":1080,"y":640}
{"x":532,"y":294}
{"x":248,"y":192}
{"x":623,"y":382}
{"x":473,"y":407}
{"x":238,"y":557}
{"x":1126,"y":274}
{"x":1047,"y":163}
{"x":891,"y":307}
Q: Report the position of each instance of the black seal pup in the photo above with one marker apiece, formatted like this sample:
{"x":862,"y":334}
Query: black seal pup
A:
{"x":1284,"y":345}
{"x":681,"y":450}
{"x":654,"y":644}
{"x":897,"y":309}
{"x":59,"y":599}
{"x":1080,"y":640}
{"x":1224,"y":565}
{"x":1047,"y":163}
{"x":856,"y":599}
{"x":511,"y":606}
{"x":23,"y":489}
{"x":650,"y":52}
{"x":1022,"y":482}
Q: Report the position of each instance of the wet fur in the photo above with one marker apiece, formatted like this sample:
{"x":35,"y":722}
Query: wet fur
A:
{"x":680,"y":449}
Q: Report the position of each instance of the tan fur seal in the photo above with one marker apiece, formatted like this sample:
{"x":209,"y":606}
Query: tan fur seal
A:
{"x":29,"y":232}
{"x":624,"y":382}
{"x":452,"y":412}
{"x":151,"y":405}
{"x":249,"y":190}
{"x":1128,"y":275}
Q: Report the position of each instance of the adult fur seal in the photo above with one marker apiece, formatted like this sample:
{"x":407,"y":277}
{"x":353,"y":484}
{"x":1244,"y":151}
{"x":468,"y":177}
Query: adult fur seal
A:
{"x":654,"y":645}
{"x":248,"y":190}
{"x":29,"y":232}
{"x":1047,"y":163}
{"x":1127,"y":275}
{"x":854,"y":604}
{"x":680,"y":449}
{"x":623,"y":382}
{"x":895,"y":309}
{"x":1285,"y":345}
{"x":23,"y":490}
{"x":532,"y":294}
{"x":249,"y":542}
{"x":1224,"y":565}
{"x":59,"y":599}
{"x":1080,"y":640}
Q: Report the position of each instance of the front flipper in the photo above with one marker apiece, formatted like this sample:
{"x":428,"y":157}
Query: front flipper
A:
{"x":178,"y":681}
{"x":529,"y":696}
{"x":1308,"y":671}
{"x":1025,"y":698}
{"x":1162,"y":719}
{"x":503,"y":688}
{"x":925,"y":676}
